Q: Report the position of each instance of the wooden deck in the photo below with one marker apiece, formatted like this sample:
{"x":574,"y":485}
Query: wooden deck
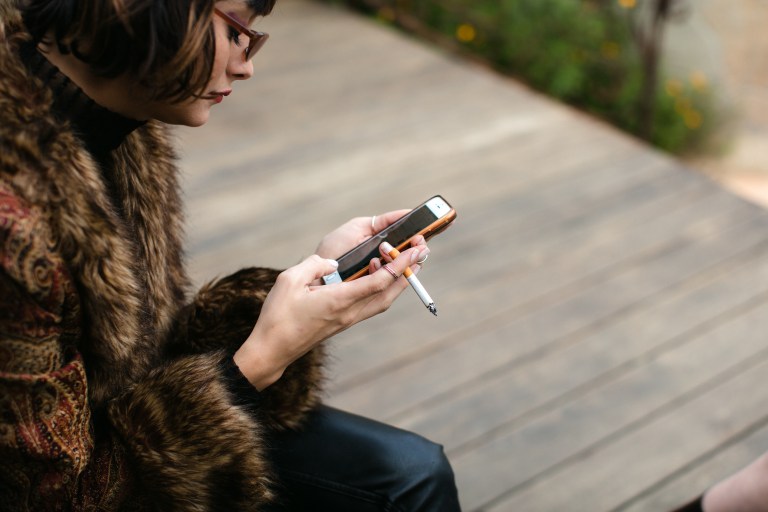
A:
{"x":602,"y":341}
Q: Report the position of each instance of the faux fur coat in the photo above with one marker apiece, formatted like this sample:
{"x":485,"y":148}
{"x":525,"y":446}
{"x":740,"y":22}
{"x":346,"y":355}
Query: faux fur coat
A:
{"x":113,"y":389}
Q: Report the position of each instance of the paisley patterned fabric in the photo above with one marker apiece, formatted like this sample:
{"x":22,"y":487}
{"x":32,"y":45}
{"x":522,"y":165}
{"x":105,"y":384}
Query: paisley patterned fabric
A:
{"x":46,"y":436}
{"x":29,"y":312}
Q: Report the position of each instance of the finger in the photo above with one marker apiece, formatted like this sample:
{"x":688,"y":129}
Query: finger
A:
{"x":313,"y":268}
{"x":404,"y":259}
{"x":381,"y":280}
{"x":385,"y":219}
{"x":374,"y":265}
{"x":381,"y":288}
{"x":380,"y":302}
{"x":415,"y":253}
{"x":386,"y":258}
{"x":418,"y":240}
{"x":420,"y":243}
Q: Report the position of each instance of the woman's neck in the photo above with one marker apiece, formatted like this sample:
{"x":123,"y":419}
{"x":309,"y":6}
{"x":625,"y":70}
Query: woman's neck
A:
{"x":100,"y":129}
{"x":115,"y":94}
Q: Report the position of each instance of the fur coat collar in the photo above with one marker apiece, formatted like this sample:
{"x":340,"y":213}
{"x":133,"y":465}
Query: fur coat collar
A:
{"x":129,"y":265}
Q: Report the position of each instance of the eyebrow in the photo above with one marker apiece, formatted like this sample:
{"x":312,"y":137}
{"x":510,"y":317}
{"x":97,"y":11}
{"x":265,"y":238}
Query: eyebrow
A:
{"x":243,"y":7}
{"x":241,"y":20}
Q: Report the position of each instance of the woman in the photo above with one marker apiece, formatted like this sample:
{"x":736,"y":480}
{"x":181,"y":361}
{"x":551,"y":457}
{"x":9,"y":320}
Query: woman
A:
{"x":116,"y":391}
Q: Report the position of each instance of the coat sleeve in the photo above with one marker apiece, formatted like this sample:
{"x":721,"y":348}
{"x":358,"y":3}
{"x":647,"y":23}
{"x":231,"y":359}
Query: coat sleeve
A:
{"x":221,"y":317}
{"x":196,"y":446}
{"x":178,"y":439}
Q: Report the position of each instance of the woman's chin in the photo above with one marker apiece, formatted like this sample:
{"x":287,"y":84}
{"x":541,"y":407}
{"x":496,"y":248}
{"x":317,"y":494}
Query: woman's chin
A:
{"x":194,"y":121}
{"x":193,"y":117}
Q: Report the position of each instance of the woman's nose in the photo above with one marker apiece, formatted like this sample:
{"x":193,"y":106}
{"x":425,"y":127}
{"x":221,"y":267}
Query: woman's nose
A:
{"x":239,"y":68}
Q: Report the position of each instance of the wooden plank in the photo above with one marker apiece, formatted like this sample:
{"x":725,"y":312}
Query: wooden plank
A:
{"x":670,"y":412}
{"x":682,"y":486}
{"x":499,"y":402}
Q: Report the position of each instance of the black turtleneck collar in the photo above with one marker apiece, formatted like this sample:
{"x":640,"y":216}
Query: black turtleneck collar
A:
{"x":101,"y":130}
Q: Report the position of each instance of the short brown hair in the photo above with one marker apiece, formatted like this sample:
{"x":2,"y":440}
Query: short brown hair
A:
{"x":168,"y":45}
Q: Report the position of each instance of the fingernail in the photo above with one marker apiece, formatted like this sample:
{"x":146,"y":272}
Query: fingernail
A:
{"x":417,"y":255}
{"x":387,"y":247}
{"x":333,"y":263}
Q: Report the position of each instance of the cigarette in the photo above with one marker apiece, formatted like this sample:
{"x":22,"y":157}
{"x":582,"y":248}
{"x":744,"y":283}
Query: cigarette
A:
{"x":413,"y":281}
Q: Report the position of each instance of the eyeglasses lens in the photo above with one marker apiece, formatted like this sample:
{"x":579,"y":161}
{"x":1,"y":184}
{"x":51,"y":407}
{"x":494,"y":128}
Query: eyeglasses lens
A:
{"x":255,"y":39}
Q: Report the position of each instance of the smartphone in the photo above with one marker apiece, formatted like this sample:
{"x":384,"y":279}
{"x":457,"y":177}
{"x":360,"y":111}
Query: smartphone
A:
{"x":428,"y":219}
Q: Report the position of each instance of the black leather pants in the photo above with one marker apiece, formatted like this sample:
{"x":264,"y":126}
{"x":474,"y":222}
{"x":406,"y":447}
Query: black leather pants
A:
{"x":342,"y":462}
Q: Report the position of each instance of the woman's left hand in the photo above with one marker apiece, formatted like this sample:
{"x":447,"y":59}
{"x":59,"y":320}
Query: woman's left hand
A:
{"x":356,"y":231}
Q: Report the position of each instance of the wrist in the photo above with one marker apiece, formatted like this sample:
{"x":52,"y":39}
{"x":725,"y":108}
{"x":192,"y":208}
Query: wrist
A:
{"x":256,"y":365}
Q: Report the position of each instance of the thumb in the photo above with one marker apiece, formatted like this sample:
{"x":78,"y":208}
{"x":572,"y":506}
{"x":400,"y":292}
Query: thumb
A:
{"x":315,"y":267}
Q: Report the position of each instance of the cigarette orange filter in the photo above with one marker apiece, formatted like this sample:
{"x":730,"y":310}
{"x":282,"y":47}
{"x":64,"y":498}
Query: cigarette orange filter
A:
{"x":413,"y":281}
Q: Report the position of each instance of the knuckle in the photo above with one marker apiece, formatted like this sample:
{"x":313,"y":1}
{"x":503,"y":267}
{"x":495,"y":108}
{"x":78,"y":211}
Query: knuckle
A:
{"x":286,"y":277}
{"x":338,"y":316}
{"x":382,"y":283}
{"x":337,"y":307}
{"x":346,"y":319}
{"x":337,"y":312}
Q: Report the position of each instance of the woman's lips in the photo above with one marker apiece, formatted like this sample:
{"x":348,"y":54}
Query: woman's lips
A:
{"x":218,"y":96}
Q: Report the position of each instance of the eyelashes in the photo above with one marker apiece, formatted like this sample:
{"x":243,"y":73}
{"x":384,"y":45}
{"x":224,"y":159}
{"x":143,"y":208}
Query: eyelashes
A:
{"x":233,"y":35}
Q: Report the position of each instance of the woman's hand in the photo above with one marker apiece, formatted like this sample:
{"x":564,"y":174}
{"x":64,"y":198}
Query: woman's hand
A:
{"x":299,"y":313}
{"x":354,"y":232}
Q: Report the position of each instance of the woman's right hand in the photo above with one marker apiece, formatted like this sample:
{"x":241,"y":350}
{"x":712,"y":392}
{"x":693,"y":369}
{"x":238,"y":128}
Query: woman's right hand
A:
{"x":297,"y":315}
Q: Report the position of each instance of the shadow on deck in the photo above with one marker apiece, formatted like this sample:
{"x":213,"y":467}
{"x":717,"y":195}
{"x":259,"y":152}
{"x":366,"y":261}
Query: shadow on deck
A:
{"x":602,"y":340}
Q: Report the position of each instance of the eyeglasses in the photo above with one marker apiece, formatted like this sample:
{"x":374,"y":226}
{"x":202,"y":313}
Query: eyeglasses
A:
{"x":256,"y":39}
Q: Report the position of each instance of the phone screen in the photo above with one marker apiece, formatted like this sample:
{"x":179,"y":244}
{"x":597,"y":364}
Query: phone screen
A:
{"x":396,"y":234}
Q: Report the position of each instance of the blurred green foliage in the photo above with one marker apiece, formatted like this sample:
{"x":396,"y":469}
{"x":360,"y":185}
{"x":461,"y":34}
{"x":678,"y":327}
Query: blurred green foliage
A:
{"x":583,"y":52}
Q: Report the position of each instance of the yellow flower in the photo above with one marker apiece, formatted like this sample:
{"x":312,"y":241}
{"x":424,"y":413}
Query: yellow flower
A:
{"x":693,"y":119}
{"x":699,"y":80}
{"x":466,"y":33}
{"x":628,"y":4}
{"x":673,"y":87}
